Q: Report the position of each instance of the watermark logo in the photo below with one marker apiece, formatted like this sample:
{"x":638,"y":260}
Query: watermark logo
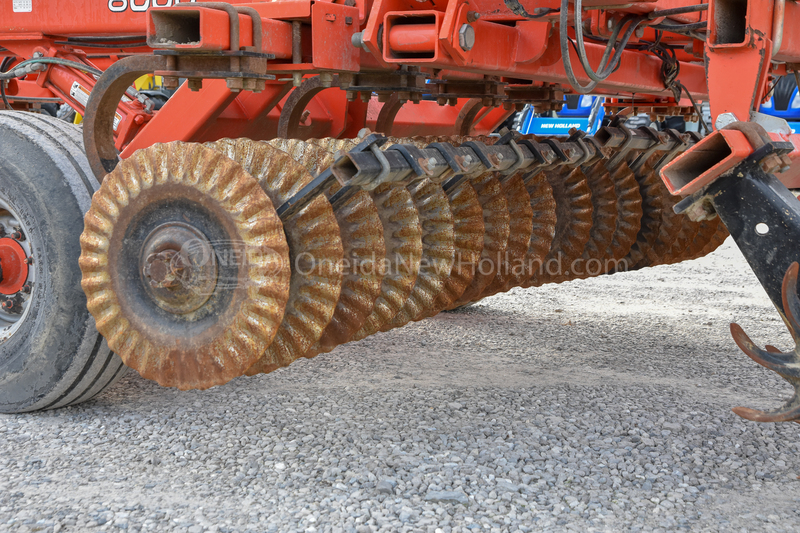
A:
{"x":232,"y":263}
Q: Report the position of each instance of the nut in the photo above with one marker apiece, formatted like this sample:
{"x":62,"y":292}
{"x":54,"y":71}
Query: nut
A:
{"x":466,"y":37}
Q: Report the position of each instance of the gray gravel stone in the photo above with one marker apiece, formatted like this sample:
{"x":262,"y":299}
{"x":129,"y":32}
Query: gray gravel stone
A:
{"x":447,"y":496}
{"x":595,"y":405}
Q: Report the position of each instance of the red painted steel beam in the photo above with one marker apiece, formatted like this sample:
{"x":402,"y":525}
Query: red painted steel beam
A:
{"x":184,"y":115}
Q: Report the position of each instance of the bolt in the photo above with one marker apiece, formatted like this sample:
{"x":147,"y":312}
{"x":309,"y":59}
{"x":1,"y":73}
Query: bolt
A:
{"x":27,"y":288}
{"x":139,"y":120}
{"x":305,"y":116}
{"x":165,"y":269}
{"x":13,"y":304}
{"x":326,"y":79}
{"x":195,"y":84}
{"x":29,"y":260}
{"x":18,"y":234}
{"x":724,"y":119}
{"x":466,"y":37}
{"x":357,"y":40}
{"x":472,"y":16}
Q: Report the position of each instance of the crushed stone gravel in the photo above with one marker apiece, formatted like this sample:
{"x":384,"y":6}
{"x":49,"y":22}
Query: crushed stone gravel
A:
{"x":594,"y":405}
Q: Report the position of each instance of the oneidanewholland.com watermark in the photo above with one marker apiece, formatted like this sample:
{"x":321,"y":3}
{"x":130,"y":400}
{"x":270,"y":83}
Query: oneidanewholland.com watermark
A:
{"x":233,"y":259}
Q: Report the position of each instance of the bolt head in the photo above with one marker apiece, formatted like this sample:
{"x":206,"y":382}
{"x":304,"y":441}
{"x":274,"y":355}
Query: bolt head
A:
{"x":466,"y":37}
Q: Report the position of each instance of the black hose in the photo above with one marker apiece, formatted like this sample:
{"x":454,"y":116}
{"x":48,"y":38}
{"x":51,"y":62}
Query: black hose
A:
{"x":565,"y":41}
{"x":679,"y":28}
{"x":677,"y":11}
{"x":51,"y":61}
{"x":3,"y":66}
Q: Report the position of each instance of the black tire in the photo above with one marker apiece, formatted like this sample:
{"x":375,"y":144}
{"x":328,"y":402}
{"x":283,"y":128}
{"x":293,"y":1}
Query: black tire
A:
{"x":56,"y":357}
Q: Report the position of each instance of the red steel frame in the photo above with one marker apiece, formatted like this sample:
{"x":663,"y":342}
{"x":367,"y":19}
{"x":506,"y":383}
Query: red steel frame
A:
{"x":731,"y":70}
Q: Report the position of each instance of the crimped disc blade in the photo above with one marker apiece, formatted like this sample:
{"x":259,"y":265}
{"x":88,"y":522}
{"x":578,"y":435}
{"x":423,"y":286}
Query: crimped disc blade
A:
{"x":362,"y":239}
{"x":604,"y":222}
{"x":653,"y":203}
{"x":402,"y":234}
{"x":315,"y":251}
{"x":715,"y":241}
{"x":496,"y":222}
{"x":573,"y":225}
{"x":314,"y":154}
{"x":671,"y":232}
{"x":228,"y":333}
{"x":316,"y":254}
{"x":511,"y":268}
{"x":468,"y":229}
{"x":543,"y":208}
{"x":706,"y":232}
{"x":699,"y":233}
{"x":364,"y":253}
{"x":629,"y":213}
{"x":438,"y":252}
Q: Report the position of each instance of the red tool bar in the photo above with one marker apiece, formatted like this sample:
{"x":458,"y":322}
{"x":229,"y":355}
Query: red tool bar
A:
{"x":413,"y":38}
{"x":718,"y":153}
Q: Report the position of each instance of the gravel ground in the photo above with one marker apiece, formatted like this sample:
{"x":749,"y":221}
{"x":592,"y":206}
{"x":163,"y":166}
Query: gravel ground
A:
{"x":596,"y":405}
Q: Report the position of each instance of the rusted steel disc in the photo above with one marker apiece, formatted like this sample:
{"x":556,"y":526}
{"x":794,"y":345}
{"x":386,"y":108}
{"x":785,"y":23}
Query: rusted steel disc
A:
{"x":629,"y":213}
{"x":315,"y":251}
{"x":653,"y":203}
{"x":706,"y":232}
{"x":279,"y":175}
{"x":604,"y":221}
{"x":715,"y":241}
{"x":543,"y":207}
{"x":496,"y":222}
{"x":573,"y":225}
{"x":364,"y":253}
{"x":692,"y":237}
{"x":195,"y":210}
{"x":468,"y":229}
{"x":682,"y":245}
{"x":363,"y":241}
{"x":402,"y":234}
{"x":438,"y":252}
{"x":314,"y":154}
{"x":671,"y":233}
{"x":511,"y":268}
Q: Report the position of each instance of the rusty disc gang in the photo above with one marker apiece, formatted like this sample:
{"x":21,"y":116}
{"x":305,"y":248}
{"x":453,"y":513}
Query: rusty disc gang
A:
{"x":385,"y":231}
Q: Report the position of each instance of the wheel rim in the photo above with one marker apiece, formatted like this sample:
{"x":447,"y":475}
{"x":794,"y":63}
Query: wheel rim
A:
{"x":18,"y":275}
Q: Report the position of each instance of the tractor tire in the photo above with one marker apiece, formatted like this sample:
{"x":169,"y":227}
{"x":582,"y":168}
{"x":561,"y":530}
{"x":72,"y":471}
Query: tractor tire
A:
{"x":52,"y":355}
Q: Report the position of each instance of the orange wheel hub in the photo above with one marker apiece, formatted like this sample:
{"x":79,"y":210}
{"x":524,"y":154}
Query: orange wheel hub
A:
{"x":14,"y":267}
